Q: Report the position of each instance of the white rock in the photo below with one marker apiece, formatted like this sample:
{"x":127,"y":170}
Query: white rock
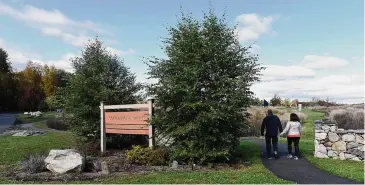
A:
{"x":322,"y":149}
{"x":342,"y":156}
{"x":328,"y":144}
{"x":325,"y":127}
{"x":22,"y":133}
{"x":349,"y":156}
{"x":359,"y":139}
{"x":333,"y":137}
{"x":316,"y":145}
{"x":332,"y":153}
{"x":355,"y":159}
{"x":320,"y":136}
{"x":361,"y":148}
{"x":62,"y":161}
{"x":175,"y":164}
{"x":351,"y":145}
{"x":339,"y":146}
{"x":348,"y":137}
{"x":333,"y":128}
{"x":26,"y":113}
{"x":320,"y":155}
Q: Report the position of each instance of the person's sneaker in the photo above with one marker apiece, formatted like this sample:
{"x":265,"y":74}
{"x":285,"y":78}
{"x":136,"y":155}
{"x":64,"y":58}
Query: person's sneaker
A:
{"x":276,"y":155}
{"x":296,"y":158}
{"x":289,"y":156}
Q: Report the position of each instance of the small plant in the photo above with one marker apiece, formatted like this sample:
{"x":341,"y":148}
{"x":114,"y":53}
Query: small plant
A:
{"x":147,"y":156}
{"x":33,"y":163}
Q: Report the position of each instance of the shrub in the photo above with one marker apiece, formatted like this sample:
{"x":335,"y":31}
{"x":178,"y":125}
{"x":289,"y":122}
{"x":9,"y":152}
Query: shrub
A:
{"x":57,"y":124}
{"x":147,"y":156}
{"x":33,"y":163}
{"x":348,"y":118}
{"x":275,"y":101}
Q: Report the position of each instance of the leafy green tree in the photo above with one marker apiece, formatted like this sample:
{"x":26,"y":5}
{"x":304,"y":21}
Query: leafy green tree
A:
{"x":99,"y":76}
{"x":203,"y":87}
{"x":275,"y":101}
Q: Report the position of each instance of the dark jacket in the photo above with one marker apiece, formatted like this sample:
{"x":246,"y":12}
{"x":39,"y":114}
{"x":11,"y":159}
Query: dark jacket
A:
{"x":272,"y":124}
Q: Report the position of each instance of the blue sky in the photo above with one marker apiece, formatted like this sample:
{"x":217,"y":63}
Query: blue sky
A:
{"x":310,"y":48}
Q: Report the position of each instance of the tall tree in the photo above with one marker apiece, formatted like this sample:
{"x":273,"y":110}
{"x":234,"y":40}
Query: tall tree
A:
{"x":99,"y":76}
{"x":5,"y":65}
{"x":276,"y":100}
{"x":203,"y":87}
{"x":30,"y":80}
{"x":7,"y":83}
{"x":49,"y":80}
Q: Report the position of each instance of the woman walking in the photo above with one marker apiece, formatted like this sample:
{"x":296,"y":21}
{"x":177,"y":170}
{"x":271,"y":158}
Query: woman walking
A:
{"x":294,"y":130}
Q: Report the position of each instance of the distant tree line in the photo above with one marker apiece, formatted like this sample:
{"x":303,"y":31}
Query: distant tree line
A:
{"x":34,"y":88}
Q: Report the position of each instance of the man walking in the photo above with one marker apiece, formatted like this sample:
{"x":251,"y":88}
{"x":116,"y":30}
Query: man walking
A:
{"x":272,"y":125}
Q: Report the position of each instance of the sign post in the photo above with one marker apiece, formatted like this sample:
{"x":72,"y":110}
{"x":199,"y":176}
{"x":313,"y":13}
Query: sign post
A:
{"x":151,"y":137}
{"x":102,"y":128}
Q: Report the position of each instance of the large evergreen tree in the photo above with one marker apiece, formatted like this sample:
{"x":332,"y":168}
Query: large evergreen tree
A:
{"x":8,"y":89}
{"x":203,"y":88}
{"x":99,"y":76}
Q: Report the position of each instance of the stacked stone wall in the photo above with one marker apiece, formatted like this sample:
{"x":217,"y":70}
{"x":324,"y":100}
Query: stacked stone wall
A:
{"x":331,"y":142}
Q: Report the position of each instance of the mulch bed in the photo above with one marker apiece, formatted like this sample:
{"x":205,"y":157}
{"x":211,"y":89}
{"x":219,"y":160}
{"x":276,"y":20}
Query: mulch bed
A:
{"x":118,"y":166}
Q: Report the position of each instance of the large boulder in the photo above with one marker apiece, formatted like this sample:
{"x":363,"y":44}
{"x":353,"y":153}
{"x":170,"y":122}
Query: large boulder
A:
{"x":333,"y":137}
{"x":342,"y":156}
{"x":320,"y":136}
{"x":359,"y":139}
{"x":322,"y":149}
{"x":328,"y":144}
{"x":349,"y":156}
{"x":352,"y":145}
{"x":348,"y":137}
{"x":320,"y":155}
{"x":339,"y":146}
{"x":62,"y":161}
{"x":332,"y":153}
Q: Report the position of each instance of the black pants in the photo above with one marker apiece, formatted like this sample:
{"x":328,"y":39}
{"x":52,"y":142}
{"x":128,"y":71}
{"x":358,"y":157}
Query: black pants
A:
{"x":294,"y":140}
{"x":274,"y":141}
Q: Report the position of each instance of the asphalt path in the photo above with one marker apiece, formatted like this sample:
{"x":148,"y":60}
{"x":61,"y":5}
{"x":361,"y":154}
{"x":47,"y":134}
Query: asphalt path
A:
{"x":300,"y":171}
{"x":6,"y":120}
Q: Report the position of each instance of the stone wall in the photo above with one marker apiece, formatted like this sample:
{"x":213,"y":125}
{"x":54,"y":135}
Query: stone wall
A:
{"x":331,"y":142}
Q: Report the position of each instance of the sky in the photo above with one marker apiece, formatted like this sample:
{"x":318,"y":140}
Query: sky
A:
{"x":309,"y":48}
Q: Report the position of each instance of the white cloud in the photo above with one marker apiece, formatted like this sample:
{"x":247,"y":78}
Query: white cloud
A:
{"x":323,"y":62}
{"x":252,"y":26}
{"x":55,"y":23}
{"x":342,"y":88}
{"x":114,"y":51}
{"x":19,"y":58}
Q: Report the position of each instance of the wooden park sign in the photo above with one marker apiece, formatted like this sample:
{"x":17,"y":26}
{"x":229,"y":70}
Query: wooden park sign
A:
{"x":132,"y":122}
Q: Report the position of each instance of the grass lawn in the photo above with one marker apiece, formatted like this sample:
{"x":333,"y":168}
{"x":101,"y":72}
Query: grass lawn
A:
{"x":45,"y":116}
{"x":348,"y":169}
{"x":14,"y":149}
{"x":41,"y":125}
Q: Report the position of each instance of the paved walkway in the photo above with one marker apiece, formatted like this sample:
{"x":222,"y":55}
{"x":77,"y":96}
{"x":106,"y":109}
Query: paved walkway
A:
{"x":300,"y":171}
{"x":6,"y":120}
